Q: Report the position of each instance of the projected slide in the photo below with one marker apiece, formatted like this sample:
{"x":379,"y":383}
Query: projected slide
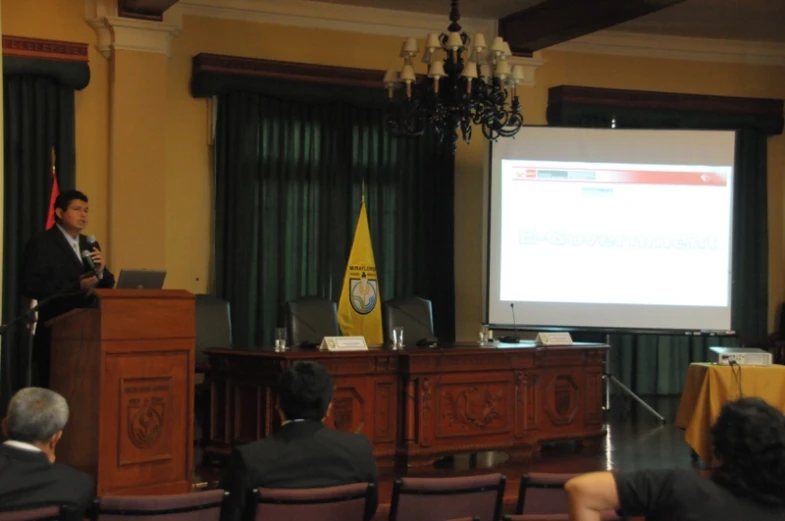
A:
{"x":614,"y":233}
{"x":616,"y":229}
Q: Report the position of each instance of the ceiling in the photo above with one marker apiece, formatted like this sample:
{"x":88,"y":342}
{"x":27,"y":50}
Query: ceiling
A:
{"x":748,"y":20}
{"x":491,"y":9}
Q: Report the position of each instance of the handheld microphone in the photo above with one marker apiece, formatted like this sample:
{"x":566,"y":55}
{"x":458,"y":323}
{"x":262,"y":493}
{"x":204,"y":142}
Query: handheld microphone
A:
{"x":512,"y":339}
{"x":87,"y":260}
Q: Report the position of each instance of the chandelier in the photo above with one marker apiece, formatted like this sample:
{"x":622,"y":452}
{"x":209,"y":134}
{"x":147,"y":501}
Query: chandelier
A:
{"x":473,"y":84}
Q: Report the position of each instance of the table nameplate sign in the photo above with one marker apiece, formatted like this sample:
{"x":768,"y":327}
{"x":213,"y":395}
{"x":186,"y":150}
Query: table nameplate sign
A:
{"x":553,"y":339}
{"x":337,"y":344}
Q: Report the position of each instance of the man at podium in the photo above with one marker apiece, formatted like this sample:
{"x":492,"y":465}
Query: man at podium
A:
{"x":61,"y":266}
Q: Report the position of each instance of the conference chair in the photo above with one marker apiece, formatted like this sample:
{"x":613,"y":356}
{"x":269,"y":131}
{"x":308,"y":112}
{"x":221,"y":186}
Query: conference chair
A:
{"x":341,"y":503}
{"x":309,"y":319}
{"x":442,"y":499}
{"x":543,"y":494}
{"x":413,"y":314}
{"x":196,"y":506}
{"x":213,"y":329}
{"x":35,"y":514}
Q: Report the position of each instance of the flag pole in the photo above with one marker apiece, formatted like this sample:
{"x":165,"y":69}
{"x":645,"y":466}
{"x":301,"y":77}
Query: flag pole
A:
{"x":54,"y":168}
{"x":362,"y":193}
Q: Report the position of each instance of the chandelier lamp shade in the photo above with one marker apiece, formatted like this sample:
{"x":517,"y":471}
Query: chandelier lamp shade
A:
{"x":471,"y":83}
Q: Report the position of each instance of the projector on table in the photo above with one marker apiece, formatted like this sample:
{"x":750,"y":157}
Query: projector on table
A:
{"x":739,"y":355}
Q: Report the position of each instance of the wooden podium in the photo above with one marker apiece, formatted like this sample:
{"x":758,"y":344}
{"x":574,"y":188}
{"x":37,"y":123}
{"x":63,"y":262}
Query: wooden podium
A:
{"x":127,"y":371}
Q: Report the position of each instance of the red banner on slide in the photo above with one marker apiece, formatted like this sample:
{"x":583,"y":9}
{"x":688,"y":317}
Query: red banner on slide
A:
{"x":640,"y":177}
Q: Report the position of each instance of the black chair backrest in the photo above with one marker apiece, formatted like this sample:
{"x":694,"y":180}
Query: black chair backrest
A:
{"x":213,"y":326}
{"x":197,"y":506}
{"x":414,"y":314}
{"x":339,"y":503}
{"x":440,"y":499}
{"x":309,"y":319}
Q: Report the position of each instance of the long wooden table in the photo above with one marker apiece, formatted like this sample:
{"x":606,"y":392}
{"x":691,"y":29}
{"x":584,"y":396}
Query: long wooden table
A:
{"x":418,"y":405}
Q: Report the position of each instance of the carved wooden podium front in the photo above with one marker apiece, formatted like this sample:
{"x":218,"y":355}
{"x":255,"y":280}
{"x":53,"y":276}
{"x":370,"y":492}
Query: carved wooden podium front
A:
{"x":126,"y":369}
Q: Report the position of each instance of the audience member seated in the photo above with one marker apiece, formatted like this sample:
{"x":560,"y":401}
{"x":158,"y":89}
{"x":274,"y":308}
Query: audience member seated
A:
{"x":749,"y":483}
{"x":303,"y":453}
{"x":29,"y":476}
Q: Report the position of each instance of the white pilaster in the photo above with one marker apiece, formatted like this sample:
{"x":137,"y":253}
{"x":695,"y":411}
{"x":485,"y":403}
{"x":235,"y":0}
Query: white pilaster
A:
{"x":116,"y":32}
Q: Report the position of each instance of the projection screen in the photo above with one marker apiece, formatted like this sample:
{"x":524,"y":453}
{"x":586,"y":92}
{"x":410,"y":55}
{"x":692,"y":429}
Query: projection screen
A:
{"x":611,"y":229}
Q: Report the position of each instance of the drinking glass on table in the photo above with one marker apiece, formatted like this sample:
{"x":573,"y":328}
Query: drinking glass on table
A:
{"x":280,"y":339}
{"x":484,"y":334}
{"x":397,"y":337}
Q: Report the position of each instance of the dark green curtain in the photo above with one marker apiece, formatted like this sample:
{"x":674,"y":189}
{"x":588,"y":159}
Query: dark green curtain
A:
{"x":289,"y":178}
{"x":38,"y":114}
{"x":657,"y":364}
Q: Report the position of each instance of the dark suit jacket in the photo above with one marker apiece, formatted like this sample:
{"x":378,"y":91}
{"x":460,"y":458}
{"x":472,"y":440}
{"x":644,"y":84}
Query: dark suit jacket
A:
{"x":51,"y":266}
{"x":300,"y":455}
{"x":28,"y":480}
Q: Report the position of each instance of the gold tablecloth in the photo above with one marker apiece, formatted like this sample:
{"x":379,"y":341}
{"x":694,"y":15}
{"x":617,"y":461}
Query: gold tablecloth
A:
{"x":709,"y":387}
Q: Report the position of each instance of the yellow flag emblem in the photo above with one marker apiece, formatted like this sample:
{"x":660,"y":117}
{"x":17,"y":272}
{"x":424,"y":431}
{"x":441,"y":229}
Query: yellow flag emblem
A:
{"x":359,"y":309}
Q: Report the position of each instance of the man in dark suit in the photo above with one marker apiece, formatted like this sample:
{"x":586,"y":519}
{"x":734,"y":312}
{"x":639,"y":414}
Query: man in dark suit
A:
{"x":303,"y":453}
{"x":53,"y":264}
{"x":29,"y":476}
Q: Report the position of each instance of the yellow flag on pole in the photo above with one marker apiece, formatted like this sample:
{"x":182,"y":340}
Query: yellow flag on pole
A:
{"x":359,"y":309}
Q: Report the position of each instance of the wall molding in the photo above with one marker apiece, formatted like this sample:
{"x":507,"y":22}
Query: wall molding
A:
{"x":619,"y":43}
{"x":121,"y":33}
{"x":22,"y":47}
{"x":336,"y":17}
{"x":205,"y":63}
{"x":644,"y":99}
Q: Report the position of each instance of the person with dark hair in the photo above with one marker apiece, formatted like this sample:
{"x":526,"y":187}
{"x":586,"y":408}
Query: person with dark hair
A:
{"x":29,"y":476}
{"x":748,"y":440}
{"x":54,"y":264}
{"x":303,"y":453}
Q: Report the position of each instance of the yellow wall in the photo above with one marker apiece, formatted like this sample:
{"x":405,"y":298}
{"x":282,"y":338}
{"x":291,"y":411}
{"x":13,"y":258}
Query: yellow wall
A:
{"x":188,"y":173}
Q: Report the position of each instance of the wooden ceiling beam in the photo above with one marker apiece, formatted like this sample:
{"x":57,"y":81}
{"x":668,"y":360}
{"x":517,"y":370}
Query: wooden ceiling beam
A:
{"x":144,"y":9}
{"x":556,"y":21}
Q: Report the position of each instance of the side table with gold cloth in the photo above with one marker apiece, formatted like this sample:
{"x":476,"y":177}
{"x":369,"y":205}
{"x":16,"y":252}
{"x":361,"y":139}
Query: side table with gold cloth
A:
{"x":708,"y":387}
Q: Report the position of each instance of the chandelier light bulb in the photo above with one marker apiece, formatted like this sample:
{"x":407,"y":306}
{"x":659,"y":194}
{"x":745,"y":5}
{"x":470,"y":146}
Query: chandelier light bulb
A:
{"x":469,"y":70}
{"x":433,"y":43}
{"x":454,"y":41}
{"x":407,"y":74}
{"x":497,"y":47}
{"x":517,"y":73}
{"x":507,"y":51}
{"x":410,"y":48}
{"x":479,"y":43}
{"x":502,"y":69}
